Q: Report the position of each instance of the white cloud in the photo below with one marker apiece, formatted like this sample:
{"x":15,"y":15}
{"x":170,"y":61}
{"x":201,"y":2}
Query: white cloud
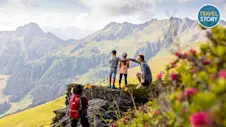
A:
{"x":15,"y":13}
{"x":102,"y":12}
{"x":49,"y":19}
{"x":90,"y":14}
{"x":120,"y":7}
{"x":184,"y":1}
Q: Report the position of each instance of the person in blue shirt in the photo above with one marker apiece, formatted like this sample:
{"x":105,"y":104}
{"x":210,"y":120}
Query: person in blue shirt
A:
{"x":145,"y":77}
{"x":113,"y":64}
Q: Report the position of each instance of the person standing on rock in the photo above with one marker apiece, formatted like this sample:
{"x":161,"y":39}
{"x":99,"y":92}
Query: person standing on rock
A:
{"x":145,"y":77}
{"x":78,"y":107}
{"x":123,"y":69}
{"x":114,"y":60}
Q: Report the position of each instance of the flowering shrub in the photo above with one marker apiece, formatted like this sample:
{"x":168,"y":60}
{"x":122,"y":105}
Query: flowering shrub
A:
{"x":194,"y":88}
{"x":88,"y":86}
{"x":200,"y":119}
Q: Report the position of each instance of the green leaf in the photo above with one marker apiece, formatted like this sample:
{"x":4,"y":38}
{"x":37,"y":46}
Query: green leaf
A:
{"x":204,"y":100}
{"x":204,"y":47}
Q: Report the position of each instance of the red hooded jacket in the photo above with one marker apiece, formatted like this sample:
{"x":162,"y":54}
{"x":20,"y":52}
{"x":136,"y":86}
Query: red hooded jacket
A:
{"x":75,"y":111}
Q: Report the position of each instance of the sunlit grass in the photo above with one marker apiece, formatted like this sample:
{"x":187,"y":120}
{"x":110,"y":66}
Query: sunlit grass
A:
{"x":40,"y":116}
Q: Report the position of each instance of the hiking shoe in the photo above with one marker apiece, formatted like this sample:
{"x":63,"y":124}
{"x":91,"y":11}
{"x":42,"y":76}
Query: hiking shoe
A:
{"x":113,"y":87}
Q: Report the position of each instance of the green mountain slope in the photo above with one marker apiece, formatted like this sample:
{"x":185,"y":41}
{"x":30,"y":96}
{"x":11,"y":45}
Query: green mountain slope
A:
{"x":40,"y":116}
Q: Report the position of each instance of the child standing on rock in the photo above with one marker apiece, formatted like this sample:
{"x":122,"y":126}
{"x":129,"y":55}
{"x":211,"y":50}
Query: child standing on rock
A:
{"x":78,"y":107}
{"x":114,"y":60}
{"x":123,"y":66}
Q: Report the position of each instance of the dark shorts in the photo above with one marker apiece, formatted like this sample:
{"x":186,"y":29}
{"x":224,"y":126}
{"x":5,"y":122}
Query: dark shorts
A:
{"x":146,"y":83}
{"x":83,"y":120}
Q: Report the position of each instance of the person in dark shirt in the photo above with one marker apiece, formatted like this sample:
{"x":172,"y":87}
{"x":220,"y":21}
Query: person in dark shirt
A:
{"x":145,"y":77}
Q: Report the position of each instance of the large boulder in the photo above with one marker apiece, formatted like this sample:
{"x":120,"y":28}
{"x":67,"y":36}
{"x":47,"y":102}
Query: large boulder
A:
{"x":105,"y":103}
{"x":98,"y":112}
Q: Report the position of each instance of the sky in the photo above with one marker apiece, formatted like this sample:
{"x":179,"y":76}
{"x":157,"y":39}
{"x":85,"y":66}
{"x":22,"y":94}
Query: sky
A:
{"x":95,"y":14}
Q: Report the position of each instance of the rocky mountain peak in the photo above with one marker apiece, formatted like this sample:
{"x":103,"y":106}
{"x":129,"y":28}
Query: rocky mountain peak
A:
{"x":111,"y":24}
{"x":31,"y":29}
{"x":175,"y":19}
{"x":187,"y":20}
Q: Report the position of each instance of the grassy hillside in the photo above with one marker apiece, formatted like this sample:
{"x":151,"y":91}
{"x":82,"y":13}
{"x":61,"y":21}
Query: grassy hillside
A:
{"x":40,"y":116}
{"x":157,"y":64}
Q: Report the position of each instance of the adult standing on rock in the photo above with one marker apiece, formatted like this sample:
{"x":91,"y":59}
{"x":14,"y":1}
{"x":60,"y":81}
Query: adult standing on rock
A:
{"x":145,"y":77}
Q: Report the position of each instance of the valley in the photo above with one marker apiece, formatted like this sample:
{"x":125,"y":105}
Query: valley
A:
{"x":3,"y":83}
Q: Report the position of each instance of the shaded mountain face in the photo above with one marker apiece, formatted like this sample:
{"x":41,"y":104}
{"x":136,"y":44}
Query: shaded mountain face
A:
{"x":40,"y":64}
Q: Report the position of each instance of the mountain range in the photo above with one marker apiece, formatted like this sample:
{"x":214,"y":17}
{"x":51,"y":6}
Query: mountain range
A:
{"x":36,"y":66}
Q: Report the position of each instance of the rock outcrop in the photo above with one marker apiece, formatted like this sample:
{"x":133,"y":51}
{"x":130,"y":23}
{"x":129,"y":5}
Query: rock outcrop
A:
{"x":97,"y":112}
{"x":105,"y":104}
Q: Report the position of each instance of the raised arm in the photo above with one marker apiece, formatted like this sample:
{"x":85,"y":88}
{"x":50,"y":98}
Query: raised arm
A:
{"x":134,"y":60}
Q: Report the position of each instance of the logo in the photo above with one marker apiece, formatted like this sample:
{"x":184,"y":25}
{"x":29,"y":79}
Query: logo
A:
{"x":208,"y":16}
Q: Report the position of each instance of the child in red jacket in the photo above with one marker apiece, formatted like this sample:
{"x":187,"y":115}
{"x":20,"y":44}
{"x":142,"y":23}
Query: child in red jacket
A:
{"x":78,"y":107}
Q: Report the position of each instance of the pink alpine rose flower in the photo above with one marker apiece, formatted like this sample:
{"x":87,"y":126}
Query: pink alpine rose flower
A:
{"x":200,"y":119}
{"x":114,"y":124}
{"x":177,"y":54}
{"x":181,"y":97}
{"x":190,"y":91}
{"x":193,"y":52}
{"x":187,"y":93}
{"x":222,"y":74}
{"x":194,"y":70}
{"x":156,"y":112}
{"x":185,"y":55}
{"x":206,"y":62}
{"x":173,"y":64}
{"x":159,"y":76}
{"x":123,"y":120}
{"x":173,"y":76}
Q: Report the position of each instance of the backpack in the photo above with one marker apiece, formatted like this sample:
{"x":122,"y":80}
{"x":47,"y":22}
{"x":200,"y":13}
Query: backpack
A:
{"x":76,"y":114}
